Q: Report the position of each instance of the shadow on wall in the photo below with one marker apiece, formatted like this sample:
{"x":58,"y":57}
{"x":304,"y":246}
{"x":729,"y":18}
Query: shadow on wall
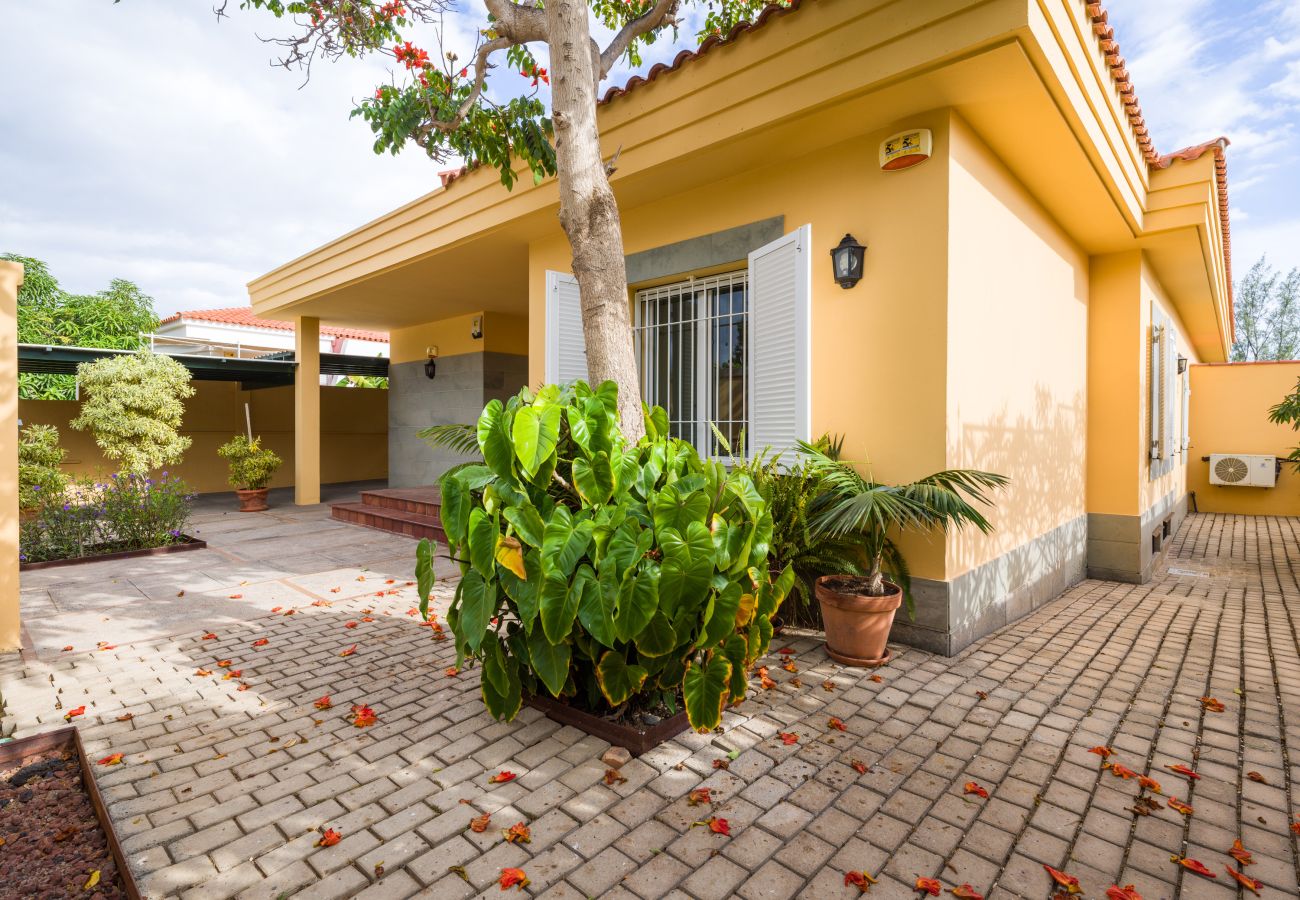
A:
{"x":1039,"y":544}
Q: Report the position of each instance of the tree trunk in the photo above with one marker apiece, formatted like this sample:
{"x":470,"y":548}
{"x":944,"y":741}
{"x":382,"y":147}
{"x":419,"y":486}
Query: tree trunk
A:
{"x":589,"y":212}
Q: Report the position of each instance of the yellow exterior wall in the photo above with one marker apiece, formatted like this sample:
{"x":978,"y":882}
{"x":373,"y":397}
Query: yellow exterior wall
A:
{"x":1017,"y":353}
{"x":502,"y":333}
{"x":1230,"y":404}
{"x":11,"y":278}
{"x":879,"y":364}
{"x":354,"y":440}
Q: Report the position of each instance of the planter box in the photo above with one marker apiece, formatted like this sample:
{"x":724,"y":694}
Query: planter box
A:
{"x":186,"y":543}
{"x":636,"y":740}
{"x":63,"y":740}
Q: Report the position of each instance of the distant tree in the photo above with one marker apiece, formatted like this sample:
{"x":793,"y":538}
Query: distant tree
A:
{"x":1267,"y":310}
{"x":133,"y":406}
{"x":113,"y":319}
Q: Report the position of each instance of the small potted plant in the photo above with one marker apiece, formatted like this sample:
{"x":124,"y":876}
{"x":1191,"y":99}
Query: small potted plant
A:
{"x":858,"y":611}
{"x":251,"y":468}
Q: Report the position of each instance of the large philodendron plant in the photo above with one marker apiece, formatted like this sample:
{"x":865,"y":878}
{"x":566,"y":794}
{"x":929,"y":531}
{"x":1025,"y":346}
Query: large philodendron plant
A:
{"x":874,"y":514}
{"x":622,"y":577}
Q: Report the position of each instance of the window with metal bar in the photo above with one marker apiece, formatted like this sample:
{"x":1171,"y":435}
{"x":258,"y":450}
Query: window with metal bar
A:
{"x":691,"y":351}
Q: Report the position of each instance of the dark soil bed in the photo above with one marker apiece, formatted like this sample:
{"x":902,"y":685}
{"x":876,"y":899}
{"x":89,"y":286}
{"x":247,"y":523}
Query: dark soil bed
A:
{"x":110,"y":551}
{"x":53,"y":842}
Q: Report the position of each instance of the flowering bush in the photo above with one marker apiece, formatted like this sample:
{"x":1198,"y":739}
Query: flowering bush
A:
{"x":39,"y":459}
{"x":251,"y":465}
{"x":129,"y":512}
{"x":627,"y":578}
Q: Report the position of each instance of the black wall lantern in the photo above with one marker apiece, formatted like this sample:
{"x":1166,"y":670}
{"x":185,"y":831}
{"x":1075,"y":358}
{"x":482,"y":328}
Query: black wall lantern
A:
{"x":1182,"y":364}
{"x":431,"y":364}
{"x":846,"y":259}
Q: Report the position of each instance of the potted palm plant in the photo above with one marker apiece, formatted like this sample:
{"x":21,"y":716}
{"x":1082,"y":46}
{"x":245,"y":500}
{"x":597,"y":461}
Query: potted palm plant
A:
{"x":858,"y":610}
{"x":251,"y":468}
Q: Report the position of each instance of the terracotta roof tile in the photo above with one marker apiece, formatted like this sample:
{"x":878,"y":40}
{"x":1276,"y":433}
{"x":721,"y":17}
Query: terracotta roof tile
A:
{"x":243,"y":315}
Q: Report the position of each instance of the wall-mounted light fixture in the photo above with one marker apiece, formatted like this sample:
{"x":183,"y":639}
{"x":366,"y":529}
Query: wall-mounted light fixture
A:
{"x":846,"y":259}
{"x":476,"y":328}
{"x":431,"y":364}
{"x":1182,"y":364}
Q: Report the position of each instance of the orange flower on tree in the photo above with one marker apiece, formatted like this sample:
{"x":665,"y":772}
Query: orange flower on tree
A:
{"x":513,"y":878}
{"x":1250,"y":884}
{"x":966,"y":892}
{"x":976,"y":789}
{"x":329,"y":838}
{"x":860,"y":880}
{"x":929,"y":886}
{"x":502,"y":777}
{"x":1069,"y":882}
{"x":112,"y":760}
{"x":788,"y":737}
{"x":363,"y":716}
{"x":1241,"y":854}
{"x":479,"y":824}
{"x":1192,"y":865}
{"x":323,"y":702}
{"x":517,"y":833}
{"x":1128,"y":892}
{"x":699,"y":795}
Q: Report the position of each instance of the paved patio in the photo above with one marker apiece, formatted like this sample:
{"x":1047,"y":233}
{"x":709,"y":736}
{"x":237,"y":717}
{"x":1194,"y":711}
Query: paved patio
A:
{"x":223,"y":792}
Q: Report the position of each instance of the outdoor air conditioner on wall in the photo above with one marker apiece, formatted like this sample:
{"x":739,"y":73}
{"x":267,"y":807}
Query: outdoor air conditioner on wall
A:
{"x":1242,"y":470}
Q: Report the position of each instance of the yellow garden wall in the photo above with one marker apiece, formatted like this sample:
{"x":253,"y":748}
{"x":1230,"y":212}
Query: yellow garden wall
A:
{"x":1230,"y":403}
{"x":879,"y":364}
{"x":1017,"y":353}
{"x":354,"y":437}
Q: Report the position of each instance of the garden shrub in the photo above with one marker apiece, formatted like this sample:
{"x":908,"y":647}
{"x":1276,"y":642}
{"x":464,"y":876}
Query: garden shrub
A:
{"x":624,"y":578}
{"x":129,"y":512}
{"x":133,"y":404}
{"x":39,"y":465}
{"x":251,"y":465}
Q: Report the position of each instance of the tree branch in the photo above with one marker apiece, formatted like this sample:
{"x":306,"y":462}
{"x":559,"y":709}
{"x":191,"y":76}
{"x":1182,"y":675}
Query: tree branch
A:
{"x":519,"y":23}
{"x":481,"y":67}
{"x":662,"y":13}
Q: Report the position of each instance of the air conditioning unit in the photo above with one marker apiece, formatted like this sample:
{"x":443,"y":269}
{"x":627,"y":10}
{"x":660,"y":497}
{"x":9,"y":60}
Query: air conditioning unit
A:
{"x":1242,"y":470}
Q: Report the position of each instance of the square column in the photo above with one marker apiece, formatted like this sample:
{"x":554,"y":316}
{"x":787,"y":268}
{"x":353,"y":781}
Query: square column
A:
{"x":11,"y":277}
{"x":306,"y":411}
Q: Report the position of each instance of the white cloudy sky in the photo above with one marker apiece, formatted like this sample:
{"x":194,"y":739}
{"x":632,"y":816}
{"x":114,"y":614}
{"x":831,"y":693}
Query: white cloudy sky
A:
{"x":149,"y":141}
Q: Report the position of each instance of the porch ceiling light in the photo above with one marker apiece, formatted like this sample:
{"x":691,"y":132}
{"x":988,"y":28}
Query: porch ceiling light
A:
{"x":846,"y":259}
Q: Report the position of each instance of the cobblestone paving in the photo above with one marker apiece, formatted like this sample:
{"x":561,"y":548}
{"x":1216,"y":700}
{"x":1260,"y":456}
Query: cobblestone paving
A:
{"x":224,"y":793}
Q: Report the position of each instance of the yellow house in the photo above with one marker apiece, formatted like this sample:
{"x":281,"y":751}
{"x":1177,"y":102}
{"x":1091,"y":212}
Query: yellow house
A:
{"x":1032,"y":293}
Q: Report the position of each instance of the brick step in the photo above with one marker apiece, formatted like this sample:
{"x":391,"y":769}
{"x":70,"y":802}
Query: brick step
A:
{"x":396,"y":521}
{"x":420,"y":501}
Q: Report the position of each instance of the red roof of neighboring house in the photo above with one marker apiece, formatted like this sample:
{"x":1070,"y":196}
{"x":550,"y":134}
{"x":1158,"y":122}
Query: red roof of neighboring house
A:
{"x":243,"y":315}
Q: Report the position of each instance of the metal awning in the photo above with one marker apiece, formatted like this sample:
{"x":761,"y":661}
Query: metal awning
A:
{"x":271,"y":370}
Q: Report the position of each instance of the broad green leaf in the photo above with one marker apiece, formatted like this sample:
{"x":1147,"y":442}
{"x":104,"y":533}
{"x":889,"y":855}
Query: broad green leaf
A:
{"x":623,"y":547}
{"x":638,"y":599}
{"x":745,"y":610}
{"x":478,"y":604}
{"x":594,"y":480}
{"x":564,"y":542}
{"x":656,"y":422}
{"x":453,"y":509}
{"x":494,"y":665}
{"x":677,"y":508}
{"x":687,"y":568}
{"x":741,"y":486}
{"x":474,"y":477}
{"x":704,"y":688}
{"x":510,"y":555}
{"x":494,"y":441}
{"x":597,"y":604}
{"x":607,"y":393}
{"x":657,"y":638}
{"x":502,"y":704}
{"x":525,"y":592}
{"x":723,"y":619}
{"x":424,"y":576}
{"x":483,"y":534}
{"x":782,"y":586}
{"x":618,"y":680}
{"x":559,"y":603}
{"x":550,"y":661}
{"x":535,"y":432}
{"x":527,"y":523}
{"x":579,"y":428}
{"x":735,"y":648}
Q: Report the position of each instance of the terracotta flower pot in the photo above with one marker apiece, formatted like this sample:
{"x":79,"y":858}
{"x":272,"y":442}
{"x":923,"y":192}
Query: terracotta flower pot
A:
{"x":857,"y":625}
{"x":252,"y":501}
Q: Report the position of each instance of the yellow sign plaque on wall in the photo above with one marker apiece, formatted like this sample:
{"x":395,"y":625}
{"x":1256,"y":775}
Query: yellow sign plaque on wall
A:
{"x":905,"y":149}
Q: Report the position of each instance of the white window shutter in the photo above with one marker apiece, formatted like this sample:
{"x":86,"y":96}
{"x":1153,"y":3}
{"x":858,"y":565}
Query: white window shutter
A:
{"x":1172,"y":402}
{"x":1153,"y":382}
{"x":779,"y":365}
{"x":566,"y":347}
{"x":1187,"y":408}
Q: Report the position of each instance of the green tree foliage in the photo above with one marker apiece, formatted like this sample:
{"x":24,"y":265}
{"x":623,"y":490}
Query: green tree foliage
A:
{"x":1266,"y":306}
{"x":133,"y":405}
{"x":40,"y":459}
{"x":1287,"y":412}
{"x":111,"y":319}
{"x":622,"y":576}
{"x":251,"y":464}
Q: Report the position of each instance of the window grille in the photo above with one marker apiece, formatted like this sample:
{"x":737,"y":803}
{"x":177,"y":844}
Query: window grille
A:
{"x":691,"y":345}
